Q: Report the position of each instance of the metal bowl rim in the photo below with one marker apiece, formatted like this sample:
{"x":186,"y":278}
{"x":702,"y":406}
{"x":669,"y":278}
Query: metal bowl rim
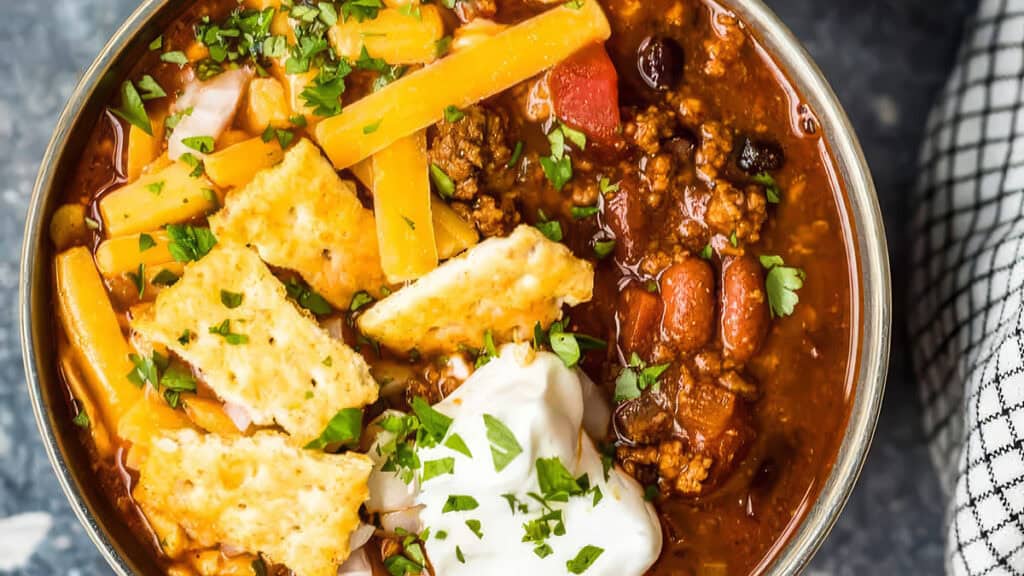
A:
{"x":868,"y":235}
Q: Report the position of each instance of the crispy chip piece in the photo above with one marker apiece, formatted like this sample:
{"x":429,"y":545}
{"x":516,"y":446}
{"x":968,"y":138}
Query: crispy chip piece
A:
{"x":301,"y":216}
{"x":260,"y":493}
{"x":505,"y":285}
{"x":271,"y":358}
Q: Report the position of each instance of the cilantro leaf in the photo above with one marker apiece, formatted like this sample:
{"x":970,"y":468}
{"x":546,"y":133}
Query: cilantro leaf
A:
{"x":146,"y":242}
{"x":504,"y":446}
{"x":604,"y":248}
{"x":434,"y":423}
{"x":556,"y":483}
{"x":81,"y":419}
{"x":343,"y":429}
{"x":132,"y":110}
{"x":151,"y":90}
{"x":452,"y":114}
{"x":459,"y":503}
{"x":551,"y":229}
{"x":782,"y":284}
{"x":456,"y":443}
{"x":224,"y":329}
{"x":584,"y":212}
{"x":201,"y":144}
{"x":439,"y":467}
{"x":302,"y":294}
{"x":176,"y":57}
{"x":772,"y":192}
{"x":442,"y":182}
{"x":476,"y":527}
{"x":637,"y":377}
{"x":189,"y":243}
{"x":231,"y":299}
{"x":584,"y":559}
{"x":558,"y":172}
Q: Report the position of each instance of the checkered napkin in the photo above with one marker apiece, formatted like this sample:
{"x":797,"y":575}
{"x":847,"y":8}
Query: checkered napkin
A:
{"x":967,"y":293}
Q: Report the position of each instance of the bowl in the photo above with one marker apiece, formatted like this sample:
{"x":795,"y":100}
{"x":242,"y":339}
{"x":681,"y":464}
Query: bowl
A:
{"x":127,"y":554}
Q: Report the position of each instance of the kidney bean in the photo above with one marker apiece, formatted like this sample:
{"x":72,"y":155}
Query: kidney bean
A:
{"x":744,"y":319}
{"x":687,"y":289}
{"x":625,"y":215}
{"x":639,"y":312}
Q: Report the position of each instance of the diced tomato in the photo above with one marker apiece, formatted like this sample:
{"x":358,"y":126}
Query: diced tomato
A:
{"x":585,"y":93}
{"x":639,"y":313}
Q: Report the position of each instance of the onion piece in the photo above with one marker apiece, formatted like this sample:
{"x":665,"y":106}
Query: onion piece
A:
{"x":356,"y":565}
{"x":360,"y":536}
{"x":239,"y":415}
{"x":408,"y":520}
{"x":213,"y":105}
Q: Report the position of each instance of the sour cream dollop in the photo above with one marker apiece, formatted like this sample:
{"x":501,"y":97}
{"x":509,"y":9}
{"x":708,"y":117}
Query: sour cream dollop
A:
{"x":542,"y":403}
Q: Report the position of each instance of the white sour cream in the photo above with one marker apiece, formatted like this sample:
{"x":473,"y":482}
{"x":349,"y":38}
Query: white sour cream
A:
{"x":542,"y":403}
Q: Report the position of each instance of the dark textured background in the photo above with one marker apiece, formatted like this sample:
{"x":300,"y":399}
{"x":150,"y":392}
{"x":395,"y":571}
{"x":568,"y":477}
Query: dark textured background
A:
{"x":885,"y":58}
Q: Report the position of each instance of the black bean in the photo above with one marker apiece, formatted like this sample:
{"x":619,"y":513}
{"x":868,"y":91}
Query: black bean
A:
{"x":757,"y":156}
{"x":660,"y":62}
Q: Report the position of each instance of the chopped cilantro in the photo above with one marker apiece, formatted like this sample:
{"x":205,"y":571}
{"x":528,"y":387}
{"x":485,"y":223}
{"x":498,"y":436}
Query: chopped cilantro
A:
{"x":459,"y":503}
{"x":176,"y":57}
{"x":360,"y":300}
{"x":476,"y":527}
{"x":360,"y":9}
{"x":452,"y":114}
{"x":146,"y":242}
{"x":434,"y":423}
{"x":772,"y":191}
{"x":605,"y":186}
{"x":442,"y":45}
{"x":224,"y":329}
{"x":231,"y":299}
{"x":558,"y":172}
{"x":556,"y":483}
{"x":371,"y":128}
{"x":307,"y":298}
{"x":132,"y":110}
{"x":195,"y":163}
{"x":442,"y":182}
{"x":588,"y":554}
{"x":637,"y":377}
{"x":165,"y":278}
{"x":399,"y":565}
{"x":343,"y":429}
{"x":81,"y":419}
{"x":604,"y":248}
{"x":584,"y":212}
{"x":201,"y":144}
{"x":139,"y":279}
{"x":189,"y":243}
{"x":151,"y":90}
{"x":517,"y":153}
{"x":504,"y":446}
{"x":551,"y":229}
{"x":156,"y":188}
{"x":439,"y":467}
{"x":488,"y":352}
{"x":456,"y":443}
{"x":706,"y":252}
{"x":298,"y":121}
{"x":782,"y":284}
{"x":157,"y":43}
{"x":458,"y":555}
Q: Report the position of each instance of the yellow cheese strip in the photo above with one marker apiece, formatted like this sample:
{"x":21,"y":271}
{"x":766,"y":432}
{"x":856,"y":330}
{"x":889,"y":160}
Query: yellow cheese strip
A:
{"x":418,"y":100}
{"x":150,"y":416}
{"x":169,"y":196}
{"x":143,"y":148}
{"x":237,"y":165}
{"x":209,"y":415}
{"x":266,"y":104}
{"x":84,"y":397}
{"x":401,"y":207}
{"x":119,"y":255}
{"x":94,"y":334}
{"x":395,"y":37}
{"x":452,"y":234}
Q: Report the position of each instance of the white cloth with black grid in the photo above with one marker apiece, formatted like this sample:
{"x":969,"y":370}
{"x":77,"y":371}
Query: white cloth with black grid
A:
{"x":967,"y":293}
